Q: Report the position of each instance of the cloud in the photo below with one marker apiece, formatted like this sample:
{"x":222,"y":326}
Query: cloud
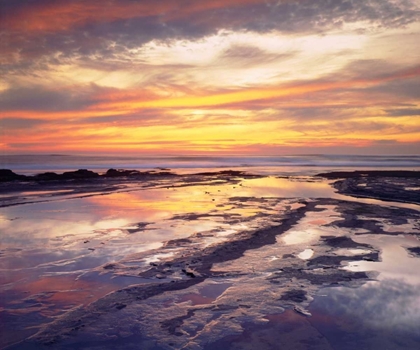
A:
{"x":385,"y":142}
{"x":60,"y":15}
{"x":326,"y":73}
{"x":247,"y":56}
{"x":24,"y":145}
{"x":142,"y":118}
{"x":40,"y":98}
{"x":20,"y":123}
{"x":61,"y":29}
{"x":403,"y":112}
{"x":407,"y":88}
{"x":367,"y":69}
{"x":313,"y":113}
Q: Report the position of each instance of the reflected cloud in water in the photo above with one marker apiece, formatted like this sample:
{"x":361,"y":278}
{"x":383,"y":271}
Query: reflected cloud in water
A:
{"x":396,"y":263}
{"x":383,"y":314}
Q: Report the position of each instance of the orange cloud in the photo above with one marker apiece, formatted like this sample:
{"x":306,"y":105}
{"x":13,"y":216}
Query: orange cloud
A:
{"x":120,"y":102}
{"x":234,"y":97}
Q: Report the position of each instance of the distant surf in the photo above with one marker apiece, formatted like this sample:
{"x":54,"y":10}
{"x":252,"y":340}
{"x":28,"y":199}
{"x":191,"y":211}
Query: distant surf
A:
{"x":32,"y":164}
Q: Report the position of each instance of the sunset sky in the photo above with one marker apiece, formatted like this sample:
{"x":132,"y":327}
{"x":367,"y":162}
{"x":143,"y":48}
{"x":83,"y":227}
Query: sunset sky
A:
{"x":239,"y":77}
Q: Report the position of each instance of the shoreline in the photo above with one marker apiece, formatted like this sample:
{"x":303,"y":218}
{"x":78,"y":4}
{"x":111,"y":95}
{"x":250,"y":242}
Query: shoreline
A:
{"x":374,"y":184}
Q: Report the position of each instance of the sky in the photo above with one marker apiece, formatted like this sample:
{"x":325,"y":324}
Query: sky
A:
{"x":225,"y":77}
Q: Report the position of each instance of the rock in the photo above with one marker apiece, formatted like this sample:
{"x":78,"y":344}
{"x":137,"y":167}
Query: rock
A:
{"x":109,"y":266}
{"x":120,"y":172}
{"x":295,"y":295}
{"x":302,"y":311}
{"x":8,"y":175}
{"x":79,"y":174}
{"x":370,"y":173}
{"x":383,"y":185}
{"x":120,"y":306}
{"x":415,"y":251}
{"x":343,"y":242}
{"x":48,"y":176}
{"x":190,"y":273}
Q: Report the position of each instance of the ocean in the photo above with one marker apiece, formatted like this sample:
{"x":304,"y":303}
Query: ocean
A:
{"x":307,"y":164}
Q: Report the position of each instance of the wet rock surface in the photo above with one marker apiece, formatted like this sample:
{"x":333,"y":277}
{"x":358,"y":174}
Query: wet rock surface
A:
{"x":343,"y":242}
{"x":415,"y":251}
{"x":396,"y":186}
{"x":375,"y":219}
{"x":296,"y":295}
{"x":406,"y":174}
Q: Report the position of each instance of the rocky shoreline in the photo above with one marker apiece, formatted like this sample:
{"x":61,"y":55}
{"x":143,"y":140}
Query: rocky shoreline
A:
{"x":196,"y":295}
{"x":83,"y":182}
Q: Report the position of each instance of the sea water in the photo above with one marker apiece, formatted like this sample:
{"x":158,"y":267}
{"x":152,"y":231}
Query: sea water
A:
{"x":303,"y":164}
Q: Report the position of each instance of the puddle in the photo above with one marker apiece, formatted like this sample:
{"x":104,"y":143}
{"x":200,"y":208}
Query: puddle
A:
{"x":287,"y":330}
{"x":352,"y":252}
{"x":383,"y":314}
{"x":306,"y":254}
{"x":206,"y":295}
{"x":396,"y":262}
{"x":311,"y":227}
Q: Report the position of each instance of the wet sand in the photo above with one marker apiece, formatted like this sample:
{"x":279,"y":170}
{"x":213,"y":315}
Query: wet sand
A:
{"x":239,"y":268}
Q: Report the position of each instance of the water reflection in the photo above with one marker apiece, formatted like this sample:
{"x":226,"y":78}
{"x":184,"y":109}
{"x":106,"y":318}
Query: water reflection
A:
{"x":380,"y":314}
{"x":377,"y":315}
{"x":306,"y":254}
{"x":101,"y":219}
{"x":395,"y":260}
{"x":281,"y":187}
{"x":206,"y":294}
{"x":312,"y":226}
{"x":37,"y":299}
{"x":52,"y":251}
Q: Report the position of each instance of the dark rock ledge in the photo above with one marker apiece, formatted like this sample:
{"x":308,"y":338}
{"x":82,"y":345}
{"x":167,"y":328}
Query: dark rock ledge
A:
{"x":7,"y":175}
{"x":387,"y":185}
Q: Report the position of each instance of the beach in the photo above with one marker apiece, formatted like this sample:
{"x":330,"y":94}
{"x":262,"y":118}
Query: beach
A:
{"x":210,"y":259}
